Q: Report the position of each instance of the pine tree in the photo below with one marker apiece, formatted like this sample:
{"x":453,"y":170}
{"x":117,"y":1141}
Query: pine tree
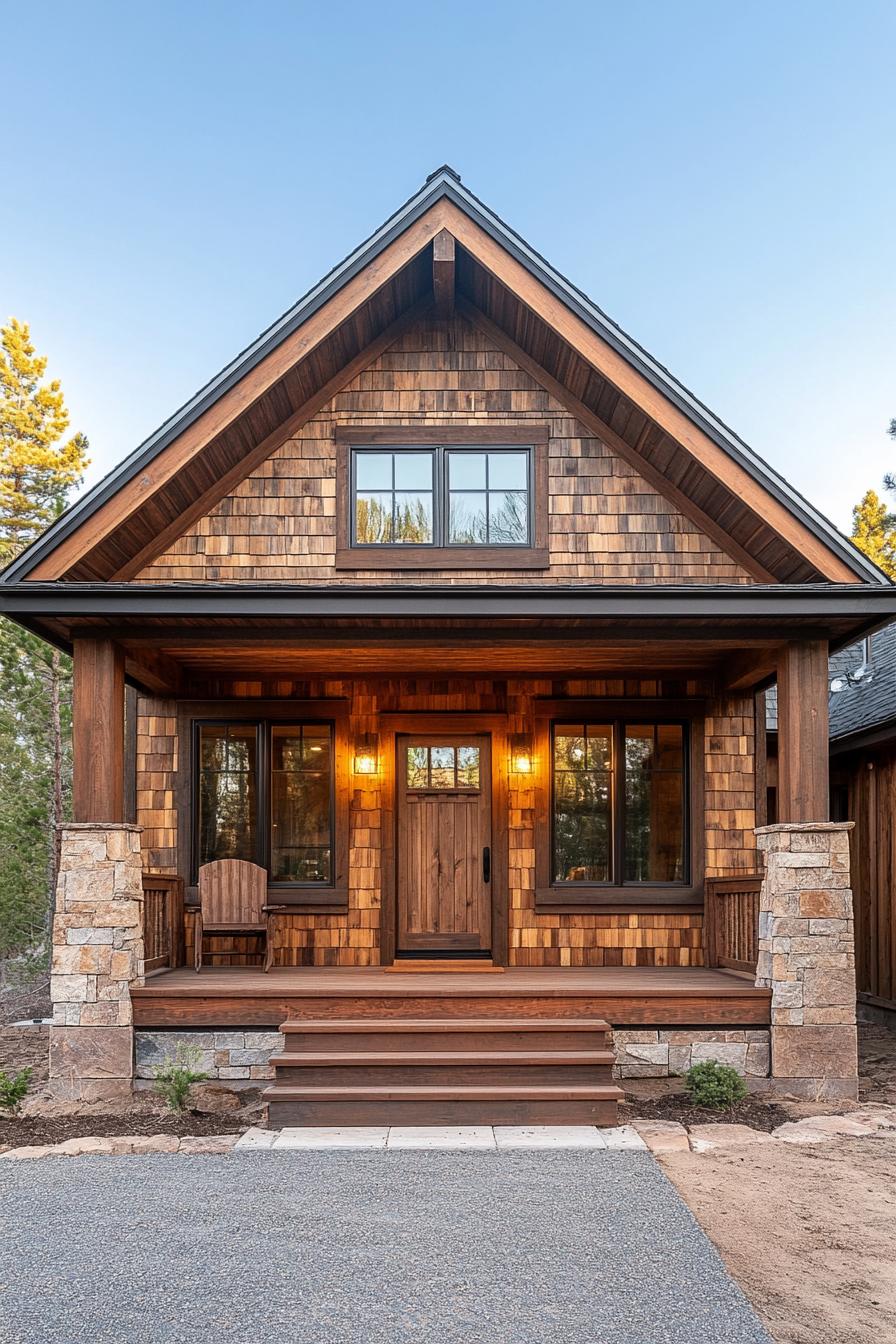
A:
{"x":38,"y":470}
{"x":874,"y":532}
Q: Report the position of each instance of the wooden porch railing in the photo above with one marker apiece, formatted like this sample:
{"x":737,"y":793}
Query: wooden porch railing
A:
{"x":163,"y":922}
{"x":731,"y":922}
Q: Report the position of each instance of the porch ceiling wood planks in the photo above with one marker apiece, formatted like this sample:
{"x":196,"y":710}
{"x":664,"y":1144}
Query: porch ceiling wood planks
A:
{"x":624,"y":996}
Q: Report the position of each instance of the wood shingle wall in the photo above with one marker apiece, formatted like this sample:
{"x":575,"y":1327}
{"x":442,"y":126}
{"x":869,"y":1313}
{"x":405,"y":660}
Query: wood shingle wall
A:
{"x":351,"y":938}
{"x":606,"y":523}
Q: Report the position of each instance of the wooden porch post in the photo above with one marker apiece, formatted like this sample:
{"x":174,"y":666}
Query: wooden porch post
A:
{"x":803,"y":793}
{"x":98,"y":731}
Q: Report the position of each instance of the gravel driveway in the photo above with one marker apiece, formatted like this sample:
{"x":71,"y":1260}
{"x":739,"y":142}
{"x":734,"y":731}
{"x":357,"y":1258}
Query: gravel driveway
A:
{"x":367,"y":1247}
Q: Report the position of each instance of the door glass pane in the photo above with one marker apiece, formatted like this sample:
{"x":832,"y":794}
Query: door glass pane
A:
{"x":442,"y":767}
{"x":468,"y":520}
{"x":413,"y":518}
{"x":227,"y":785}
{"x":301,"y":792}
{"x":654,"y":803}
{"x":373,"y":471}
{"x":418,"y":767}
{"x":413,"y":471}
{"x":373,"y":519}
{"x":466,"y":471}
{"x":508,"y":471}
{"x":582,"y":803}
{"x":508,"y":523}
{"x":468,"y":767}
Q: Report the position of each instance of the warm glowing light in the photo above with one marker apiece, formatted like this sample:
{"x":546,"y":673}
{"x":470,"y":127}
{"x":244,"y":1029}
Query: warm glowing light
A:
{"x":522,"y":764}
{"x":365,"y":764}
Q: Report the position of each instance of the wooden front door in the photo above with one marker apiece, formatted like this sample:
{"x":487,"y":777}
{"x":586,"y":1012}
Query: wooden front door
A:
{"x":444,"y":849}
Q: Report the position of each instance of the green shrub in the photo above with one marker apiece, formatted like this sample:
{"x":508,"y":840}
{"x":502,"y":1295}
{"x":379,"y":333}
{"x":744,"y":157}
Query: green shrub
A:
{"x":12,"y":1090}
{"x":715,"y":1085}
{"x":175,"y":1077}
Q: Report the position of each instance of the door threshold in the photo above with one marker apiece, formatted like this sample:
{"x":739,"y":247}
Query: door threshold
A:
{"x":444,"y":966}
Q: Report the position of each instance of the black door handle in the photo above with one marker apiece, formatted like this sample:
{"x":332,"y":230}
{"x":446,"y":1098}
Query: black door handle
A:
{"x":486,"y":864}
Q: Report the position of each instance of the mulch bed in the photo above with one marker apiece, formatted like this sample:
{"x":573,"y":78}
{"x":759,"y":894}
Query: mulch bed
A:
{"x":752,"y":1111}
{"x":21,"y":1131}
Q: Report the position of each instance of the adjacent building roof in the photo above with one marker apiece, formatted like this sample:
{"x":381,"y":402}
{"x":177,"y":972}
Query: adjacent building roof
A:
{"x":116,"y":544}
{"x":861,"y":703}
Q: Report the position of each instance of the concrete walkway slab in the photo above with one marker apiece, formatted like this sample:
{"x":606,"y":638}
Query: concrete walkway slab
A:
{"x":311,"y":1136}
{"x":353,"y":1247}
{"x":436,"y":1136}
{"x":548,"y":1136}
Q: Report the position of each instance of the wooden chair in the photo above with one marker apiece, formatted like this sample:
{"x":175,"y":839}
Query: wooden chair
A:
{"x":232,"y":895}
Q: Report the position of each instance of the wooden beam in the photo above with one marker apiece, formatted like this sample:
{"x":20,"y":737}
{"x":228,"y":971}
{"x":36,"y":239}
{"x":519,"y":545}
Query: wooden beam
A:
{"x":247,"y":391}
{"x":627,"y":379}
{"x":803,"y":689}
{"x":98,"y":731}
{"x":443,"y":271}
{"x":231,"y":479}
{"x":745,"y":673}
{"x":618,"y":445}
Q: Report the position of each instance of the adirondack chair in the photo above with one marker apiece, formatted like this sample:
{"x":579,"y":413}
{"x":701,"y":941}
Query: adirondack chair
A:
{"x":232,"y":896}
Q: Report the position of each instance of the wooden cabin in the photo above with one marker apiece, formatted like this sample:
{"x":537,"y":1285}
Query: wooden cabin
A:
{"x":447,"y":607}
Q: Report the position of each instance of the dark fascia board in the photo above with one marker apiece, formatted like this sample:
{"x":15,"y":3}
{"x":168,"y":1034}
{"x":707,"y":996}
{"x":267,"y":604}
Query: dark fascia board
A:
{"x":446,"y":183}
{"x":881,"y":735}
{"x":253,"y":602}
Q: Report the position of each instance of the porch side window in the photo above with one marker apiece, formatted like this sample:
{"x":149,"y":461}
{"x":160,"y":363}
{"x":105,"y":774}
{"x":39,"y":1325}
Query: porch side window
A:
{"x":619,"y":803}
{"x":228,"y":792}
{"x":458,"y":495}
{"x":265,"y":793}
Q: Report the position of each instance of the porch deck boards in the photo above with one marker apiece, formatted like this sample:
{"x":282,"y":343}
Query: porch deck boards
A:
{"x":624,"y":996}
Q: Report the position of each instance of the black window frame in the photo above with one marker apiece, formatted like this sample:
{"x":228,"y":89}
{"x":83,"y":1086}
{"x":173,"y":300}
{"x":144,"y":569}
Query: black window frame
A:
{"x":263,"y":818}
{"x":620,"y":896}
{"x":441,"y":495}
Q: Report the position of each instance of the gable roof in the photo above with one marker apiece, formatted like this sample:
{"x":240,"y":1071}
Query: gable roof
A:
{"x":379,"y":287}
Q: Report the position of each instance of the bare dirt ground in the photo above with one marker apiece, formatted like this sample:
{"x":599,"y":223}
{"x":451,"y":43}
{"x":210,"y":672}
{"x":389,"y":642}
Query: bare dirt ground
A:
{"x":808,"y":1231}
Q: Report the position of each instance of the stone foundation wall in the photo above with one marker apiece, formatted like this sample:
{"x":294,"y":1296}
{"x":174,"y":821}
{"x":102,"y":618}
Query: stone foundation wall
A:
{"x":97,"y":956}
{"x":807,"y":957}
{"x":226,"y":1056}
{"x":668,"y":1052}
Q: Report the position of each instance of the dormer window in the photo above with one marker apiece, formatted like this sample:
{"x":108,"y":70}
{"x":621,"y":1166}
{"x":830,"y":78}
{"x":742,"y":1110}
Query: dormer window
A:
{"x":462,"y":495}
{"x":442,"y":498}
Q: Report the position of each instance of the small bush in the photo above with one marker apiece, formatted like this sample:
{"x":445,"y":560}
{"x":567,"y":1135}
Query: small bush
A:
{"x":175,"y":1077}
{"x":715,"y":1085}
{"x":13,"y":1090}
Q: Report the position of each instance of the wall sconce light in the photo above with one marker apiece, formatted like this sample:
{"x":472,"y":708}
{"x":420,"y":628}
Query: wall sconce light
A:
{"x":366,"y":755}
{"x":521,"y":754}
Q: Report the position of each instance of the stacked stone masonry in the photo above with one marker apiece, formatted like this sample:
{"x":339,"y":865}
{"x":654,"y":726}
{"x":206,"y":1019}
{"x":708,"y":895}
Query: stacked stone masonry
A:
{"x":226,"y":1056}
{"x":807,"y":957}
{"x":97,"y":957}
{"x":670,"y":1052}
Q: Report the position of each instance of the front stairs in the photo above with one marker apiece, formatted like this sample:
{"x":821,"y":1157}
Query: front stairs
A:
{"x":437,"y":1070}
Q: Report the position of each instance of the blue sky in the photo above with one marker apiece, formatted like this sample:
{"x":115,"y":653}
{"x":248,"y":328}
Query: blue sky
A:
{"x":718,"y":177}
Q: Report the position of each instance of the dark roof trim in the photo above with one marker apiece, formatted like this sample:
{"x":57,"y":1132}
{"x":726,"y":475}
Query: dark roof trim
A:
{"x":881,"y":736}
{"x":446,"y":183}
{"x":72,"y":600}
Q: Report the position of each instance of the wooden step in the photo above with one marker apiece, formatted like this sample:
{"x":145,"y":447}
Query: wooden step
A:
{"x":456,"y":1104}
{"x":509,"y":1068}
{"x":389,"y":1034}
{"x":443,"y":966}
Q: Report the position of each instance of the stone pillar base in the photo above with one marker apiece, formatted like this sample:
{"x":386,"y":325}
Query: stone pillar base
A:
{"x":807,"y":958}
{"x":97,"y":956}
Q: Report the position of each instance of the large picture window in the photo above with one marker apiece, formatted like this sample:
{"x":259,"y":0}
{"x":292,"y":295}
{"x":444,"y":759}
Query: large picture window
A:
{"x":265,"y":792}
{"x":442,"y":495}
{"x":618,"y":804}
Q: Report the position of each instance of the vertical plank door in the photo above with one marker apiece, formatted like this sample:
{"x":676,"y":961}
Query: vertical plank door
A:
{"x":444,"y":843}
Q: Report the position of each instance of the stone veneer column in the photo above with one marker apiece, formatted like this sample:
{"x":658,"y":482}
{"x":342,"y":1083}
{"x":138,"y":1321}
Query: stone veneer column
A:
{"x":807,"y":957}
{"x":97,"y":956}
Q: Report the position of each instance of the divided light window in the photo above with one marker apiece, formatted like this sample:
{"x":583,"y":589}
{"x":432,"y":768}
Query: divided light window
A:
{"x":265,"y":792}
{"x":619,"y":812}
{"x":442,"y":496}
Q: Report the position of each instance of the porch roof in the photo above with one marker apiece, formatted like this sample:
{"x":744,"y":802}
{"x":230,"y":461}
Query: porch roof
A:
{"x":176,"y":637}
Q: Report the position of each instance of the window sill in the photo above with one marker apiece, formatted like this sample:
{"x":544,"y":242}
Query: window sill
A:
{"x":443,"y":557}
{"x":285,"y":899}
{"x":569,"y":900}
